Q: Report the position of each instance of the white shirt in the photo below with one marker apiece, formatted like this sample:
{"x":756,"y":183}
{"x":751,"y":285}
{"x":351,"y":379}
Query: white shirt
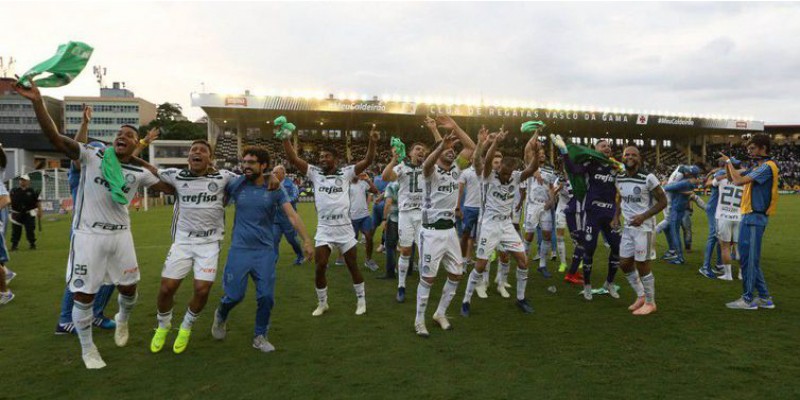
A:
{"x":332,"y":195}
{"x":539,"y":193}
{"x":441,"y":194}
{"x":729,"y":201}
{"x":636,"y":198}
{"x":499,"y":198}
{"x":358,"y":200}
{"x":409,"y":178}
{"x":199,"y":211}
{"x":564,"y":195}
{"x":472,"y":187}
{"x":95,"y":211}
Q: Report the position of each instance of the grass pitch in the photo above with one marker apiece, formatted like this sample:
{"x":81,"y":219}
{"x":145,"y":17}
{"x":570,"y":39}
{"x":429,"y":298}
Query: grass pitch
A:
{"x":692,"y":348}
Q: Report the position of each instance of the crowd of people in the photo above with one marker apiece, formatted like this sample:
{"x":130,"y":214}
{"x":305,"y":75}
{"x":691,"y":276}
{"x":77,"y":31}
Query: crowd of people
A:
{"x":459,"y":204}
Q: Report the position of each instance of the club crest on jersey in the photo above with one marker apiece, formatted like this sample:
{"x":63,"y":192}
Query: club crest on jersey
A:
{"x":212,"y":187}
{"x":588,"y":237}
{"x":637,"y":190}
{"x":78,"y":283}
{"x":130,"y":178}
{"x":339,"y":182}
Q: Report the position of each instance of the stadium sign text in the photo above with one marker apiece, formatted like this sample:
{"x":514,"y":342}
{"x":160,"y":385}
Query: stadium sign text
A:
{"x":469,"y":111}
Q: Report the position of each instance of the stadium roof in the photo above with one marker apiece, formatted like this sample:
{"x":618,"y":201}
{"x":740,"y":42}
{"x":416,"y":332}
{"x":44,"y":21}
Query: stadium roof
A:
{"x":351,"y":112}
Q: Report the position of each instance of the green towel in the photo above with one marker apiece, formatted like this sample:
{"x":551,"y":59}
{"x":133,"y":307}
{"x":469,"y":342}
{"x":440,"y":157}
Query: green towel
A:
{"x":112,"y":173}
{"x":285,"y":128}
{"x":399,"y":148}
{"x":531,"y":126}
{"x":70,"y":59}
{"x":579,"y":155}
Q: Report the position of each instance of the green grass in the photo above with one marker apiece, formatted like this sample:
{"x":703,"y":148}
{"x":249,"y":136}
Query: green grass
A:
{"x":692,"y":348}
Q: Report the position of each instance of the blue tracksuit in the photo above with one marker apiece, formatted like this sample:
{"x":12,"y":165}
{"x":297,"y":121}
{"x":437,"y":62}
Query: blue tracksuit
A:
{"x":282,"y":226}
{"x":758,"y":203}
{"x":251,"y":253}
{"x":677,"y":209}
{"x":711,"y":212}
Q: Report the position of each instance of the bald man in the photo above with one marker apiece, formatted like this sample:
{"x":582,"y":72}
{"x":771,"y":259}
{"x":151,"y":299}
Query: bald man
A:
{"x":282,"y":226}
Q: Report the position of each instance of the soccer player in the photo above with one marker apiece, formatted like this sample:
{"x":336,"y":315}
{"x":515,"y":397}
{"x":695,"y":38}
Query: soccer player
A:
{"x":640,"y":199}
{"x":469,"y":187}
{"x":759,"y":201}
{"x":561,"y":194}
{"x":496,"y":230}
{"x":728,"y":216}
{"x":599,"y":205}
{"x":390,"y":218}
{"x":711,"y":212}
{"x":407,"y":174}
{"x":282,"y":226}
{"x":257,"y":196}
{"x":102,"y":245}
{"x":438,"y":238}
{"x":377,"y":211}
{"x":197,"y":232}
{"x":360,"y":189}
{"x":5,"y":293}
{"x":678,"y":204}
{"x":538,"y":209}
{"x":334,"y":228}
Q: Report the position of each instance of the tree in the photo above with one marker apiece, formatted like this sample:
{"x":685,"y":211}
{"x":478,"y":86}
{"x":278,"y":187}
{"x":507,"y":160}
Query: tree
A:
{"x":173,"y":126}
{"x":168,"y":112}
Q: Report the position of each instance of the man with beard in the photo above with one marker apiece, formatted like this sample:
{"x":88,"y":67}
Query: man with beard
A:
{"x":334,"y":227}
{"x":257,"y":197}
{"x":102,"y":245}
{"x":640,"y":199}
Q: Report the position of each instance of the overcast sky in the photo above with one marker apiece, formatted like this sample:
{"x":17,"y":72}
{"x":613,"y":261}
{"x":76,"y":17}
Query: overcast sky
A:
{"x":711,"y":58}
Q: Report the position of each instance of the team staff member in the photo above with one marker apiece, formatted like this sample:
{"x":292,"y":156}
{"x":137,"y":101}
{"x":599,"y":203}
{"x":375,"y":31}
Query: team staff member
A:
{"x":24,"y":199}
{"x":759,"y":201}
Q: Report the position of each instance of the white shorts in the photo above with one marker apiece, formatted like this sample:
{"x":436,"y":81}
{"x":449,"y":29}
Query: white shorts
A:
{"x":499,"y":235}
{"x":185,"y":257}
{"x":439,"y":246}
{"x":561,"y":219}
{"x":516,"y":215}
{"x":99,"y":259}
{"x":408,"y":227}
{"x":635,"y":244}
{"x":536,"y":216}
{"x":341,"y":237}
{"x":728,"y":231}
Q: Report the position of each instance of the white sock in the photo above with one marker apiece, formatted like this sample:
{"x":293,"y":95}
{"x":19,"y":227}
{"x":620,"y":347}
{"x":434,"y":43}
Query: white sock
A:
{"x":402,"y":271}
{"x":82,"y":317}
{"x":502,"y":273}
{"x":522,"y":282}
{"x":188,"y":319}
{"x":728,"y":270}
{"x":649,"y":283}
{"x":322,"y":295}
{"x":543,"y":255}
{"x":448,"y":292}
{"x":562,"y":249}
{"x":474,"y":277}
{"x":126,"y":304}
{"x":636,"y":283}
{"x":423,"y":292}
{"x":164,"y":319}
{"x":360,"y":291}
{"x":485,"y":276}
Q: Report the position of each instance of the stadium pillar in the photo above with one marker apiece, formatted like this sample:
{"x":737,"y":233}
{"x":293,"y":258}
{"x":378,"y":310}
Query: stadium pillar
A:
{"x":704,"y":147}
{"x":658,"y":153}
{"x":689,"y":152}
{"x":239,"y":138}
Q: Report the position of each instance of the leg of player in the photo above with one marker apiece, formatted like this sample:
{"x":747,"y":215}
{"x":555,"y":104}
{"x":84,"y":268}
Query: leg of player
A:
{"x":391,"y":249}
{"x":368,"y":247}
{"x":264,"y":278}
{"x":562,"y":249}
{"x":423,"y":293}
{"x":543,"y":248}
{"x":686,"y":225}
{"x":350,"y":257}
{"x":589,"y":246}
{"x":65,"y":325}
{"x":82,"y":319}
{"x":164,"y":304}
{"x":126,"y":299}
{"x":649,"y":284}
{"x":402,"y":272}
{"x":199,"y":299}
{"x":448,"y":292}
{"x":522,"y":281}
{"x":726,"y":260}
{"x":101,"y":300}
{"x":501,"y":279}
{"x":5,"y":293}
{"x":234,"y":285}
{"x":321,"y":256}
{"x":529,"y":236}
{"x":291,"y":237}
{"x":475,"y":276}
{"x":632,"y":275}
{"x":613,"y":239}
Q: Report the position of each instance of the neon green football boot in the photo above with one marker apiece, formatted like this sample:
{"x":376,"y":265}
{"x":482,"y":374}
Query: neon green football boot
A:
{"x":158,"y":339}
{"x":181,"y":341}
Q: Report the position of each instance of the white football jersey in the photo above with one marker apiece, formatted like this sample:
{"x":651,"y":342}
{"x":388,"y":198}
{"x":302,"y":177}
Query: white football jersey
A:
{"x":636,"y":197}
{"x":441,"y":194}
{"x":199,"y":211}
{"x":539,"y":193}
{"x":358,"y":200}
{"x":499,"y":198}
{"x":95,"y":211}
{"x":564,"y":195}
{"x":729,"y":201}
{"x":332,"y":194}
{"x":409,"y":178}
{"x":472,"y":187}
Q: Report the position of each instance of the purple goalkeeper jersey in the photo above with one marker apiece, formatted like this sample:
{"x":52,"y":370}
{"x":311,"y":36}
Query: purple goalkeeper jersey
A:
{"x":601,"y":193}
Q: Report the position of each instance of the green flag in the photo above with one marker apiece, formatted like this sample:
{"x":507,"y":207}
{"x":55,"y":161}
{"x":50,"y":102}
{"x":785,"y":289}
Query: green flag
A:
{"x":63,"y":67}
{"x":579,"y":155}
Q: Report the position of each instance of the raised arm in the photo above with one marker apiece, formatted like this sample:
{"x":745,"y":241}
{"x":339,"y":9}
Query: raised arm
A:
{"x":477,"y":155}
{"x":735,"y":175}
{"x":370,"y":157}
{"x":533,"y":155}
{"x":298,"y":225}
{"x":486,"y":170}
{"x":431,"y":124}
{"x":65,"y":145}
{"x":388,"y":174}
{"x":83,"y":132}
{"x":446,"y":122}
{"x":151,"y":137}
{"x":430,"y":162}
{"x":293,"y":158}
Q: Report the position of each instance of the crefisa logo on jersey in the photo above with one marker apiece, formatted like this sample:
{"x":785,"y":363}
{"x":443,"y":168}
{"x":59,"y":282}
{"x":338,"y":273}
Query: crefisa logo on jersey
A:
{"x":212,"y":187}
{"x":130,"y":178}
